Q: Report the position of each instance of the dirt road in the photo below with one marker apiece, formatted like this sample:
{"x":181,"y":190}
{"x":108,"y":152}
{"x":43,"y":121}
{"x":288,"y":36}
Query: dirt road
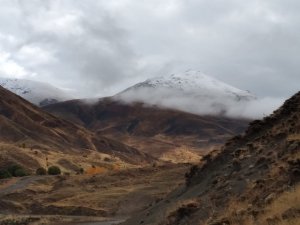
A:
{"x":18,"y":184}
{"x":109,"y":222}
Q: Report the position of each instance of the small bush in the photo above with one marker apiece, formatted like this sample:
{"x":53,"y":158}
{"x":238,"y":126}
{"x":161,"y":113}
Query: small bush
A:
{"x":5,"y":174}
{"x":25,"y":221}
{"x":106,"y":159}
{"x":41,"y":171}
{"x":20,"y":173}
{"x":17,"y":171}
{"x":12,"y":169}
{"x":54,"y":170}
{"x":81,"y":171}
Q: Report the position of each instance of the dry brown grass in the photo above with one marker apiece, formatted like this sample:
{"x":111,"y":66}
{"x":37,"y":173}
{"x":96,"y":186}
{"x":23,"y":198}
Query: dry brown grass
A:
{"x":293,"y":137}
{"x":288,"y":200}
{"x":92,"y":162}
{"x":179,"y":149}
{"x":181,"y":155}
{"x":115,"y":191}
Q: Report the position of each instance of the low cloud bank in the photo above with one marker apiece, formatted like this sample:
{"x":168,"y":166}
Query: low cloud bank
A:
{"x":256,"y":109}
{"x":206,"y":104}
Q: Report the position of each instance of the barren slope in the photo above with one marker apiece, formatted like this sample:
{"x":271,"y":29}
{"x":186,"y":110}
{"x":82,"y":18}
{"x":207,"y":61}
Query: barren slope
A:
{"x":152,"y":129}
{"x":27,"y":126}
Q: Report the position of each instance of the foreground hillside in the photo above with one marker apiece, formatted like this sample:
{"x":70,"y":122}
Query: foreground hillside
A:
{"x":161,"y":132}
{"x":253,"y":180}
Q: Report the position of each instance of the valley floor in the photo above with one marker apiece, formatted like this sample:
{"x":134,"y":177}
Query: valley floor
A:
{"x":116,"y":194}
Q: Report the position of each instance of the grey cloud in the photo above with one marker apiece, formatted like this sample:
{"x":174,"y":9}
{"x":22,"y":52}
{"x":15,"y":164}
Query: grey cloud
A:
{"x":86,"y":50}
{"x":250,"y":108}
{"x":100,"y":47}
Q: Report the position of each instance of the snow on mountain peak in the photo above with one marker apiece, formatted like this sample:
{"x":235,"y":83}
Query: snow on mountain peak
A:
{"x":193,"y":81}
{"x":38,"y":93}
{"x":191,"y":91}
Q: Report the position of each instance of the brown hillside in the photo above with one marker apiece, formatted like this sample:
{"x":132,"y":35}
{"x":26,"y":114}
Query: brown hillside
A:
{"x":23,"y":124}
{"x":254,"y":179}
{"x":154,"y":130}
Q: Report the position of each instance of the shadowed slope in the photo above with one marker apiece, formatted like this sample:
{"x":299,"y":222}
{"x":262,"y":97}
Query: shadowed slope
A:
{"x":149,"y":128}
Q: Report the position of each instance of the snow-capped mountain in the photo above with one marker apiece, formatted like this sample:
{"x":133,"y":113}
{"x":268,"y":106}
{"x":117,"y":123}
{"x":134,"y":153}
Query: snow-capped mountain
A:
{"x":38,"y":93}
{"x":190,"y":91}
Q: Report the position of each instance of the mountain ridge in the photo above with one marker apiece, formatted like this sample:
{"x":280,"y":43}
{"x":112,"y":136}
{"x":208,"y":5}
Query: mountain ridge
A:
{"x":38,"y":93}
{"x":154,"y":130}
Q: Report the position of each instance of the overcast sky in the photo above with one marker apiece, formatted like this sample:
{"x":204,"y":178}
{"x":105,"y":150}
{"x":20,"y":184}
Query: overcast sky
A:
{"x":101,"y":47}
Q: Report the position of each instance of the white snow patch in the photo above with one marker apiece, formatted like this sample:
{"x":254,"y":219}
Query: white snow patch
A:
{"x":33,"y":91}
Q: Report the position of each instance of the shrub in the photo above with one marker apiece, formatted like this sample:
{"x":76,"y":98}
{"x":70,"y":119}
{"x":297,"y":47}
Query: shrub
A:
{"x":5,"y":174}
{"x":12,"y":168}
{"x":16,"y":170}
{"x":24,"y":221}
{"x":81,"y":171}
{"x":41,"y":171}
{"x":54,"y":170}
{"x":20,"y":173}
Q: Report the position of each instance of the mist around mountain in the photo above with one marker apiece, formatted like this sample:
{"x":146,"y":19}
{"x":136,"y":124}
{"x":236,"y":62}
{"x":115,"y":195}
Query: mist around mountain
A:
{"x":198,"y":93}
{"x":190,"y":91}
{"x":38,"y":93}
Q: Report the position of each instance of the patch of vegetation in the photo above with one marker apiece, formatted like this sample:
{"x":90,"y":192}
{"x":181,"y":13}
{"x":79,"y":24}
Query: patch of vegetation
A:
{"x":16,"y":170}
{"x":4,"y":174}
{"x":25,"y":221}
{"x":13,"y":171}
{"x":81,"y":171}
{"x":54,"y":170}
{"x":20,"y":173}
{"x":41,"y":171}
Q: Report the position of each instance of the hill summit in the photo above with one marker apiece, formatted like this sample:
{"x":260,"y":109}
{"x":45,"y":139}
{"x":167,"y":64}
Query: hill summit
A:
{"x":191,"y":91}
